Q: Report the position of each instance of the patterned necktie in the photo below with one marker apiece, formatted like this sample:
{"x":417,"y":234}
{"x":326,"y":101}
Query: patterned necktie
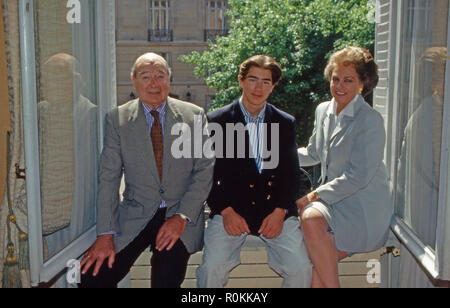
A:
{"x":157,"y":141}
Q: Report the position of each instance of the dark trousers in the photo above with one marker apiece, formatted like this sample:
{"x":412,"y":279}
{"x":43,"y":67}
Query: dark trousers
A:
{"x":168,"y":267}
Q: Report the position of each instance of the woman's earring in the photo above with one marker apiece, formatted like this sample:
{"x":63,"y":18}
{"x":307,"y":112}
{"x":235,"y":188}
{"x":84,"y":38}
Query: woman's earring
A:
{"x":360,"y":91}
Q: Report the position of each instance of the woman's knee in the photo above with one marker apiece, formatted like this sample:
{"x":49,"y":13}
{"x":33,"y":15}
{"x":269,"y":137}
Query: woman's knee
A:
{"x":312,"y":222}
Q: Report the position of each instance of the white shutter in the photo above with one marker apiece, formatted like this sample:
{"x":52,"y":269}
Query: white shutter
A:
{"x":384,"y":55}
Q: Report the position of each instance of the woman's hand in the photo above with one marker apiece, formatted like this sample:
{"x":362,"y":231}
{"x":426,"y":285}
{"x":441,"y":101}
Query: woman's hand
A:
{"x":307,"y":200}
{"x":302,"y":203}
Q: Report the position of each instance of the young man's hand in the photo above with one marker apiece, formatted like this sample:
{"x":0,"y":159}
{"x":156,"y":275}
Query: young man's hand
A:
{"x":272,"y":226}
{"x":234,"y":224}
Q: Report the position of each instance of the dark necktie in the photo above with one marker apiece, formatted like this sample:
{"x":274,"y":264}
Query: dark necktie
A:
{"x":157,"y":141}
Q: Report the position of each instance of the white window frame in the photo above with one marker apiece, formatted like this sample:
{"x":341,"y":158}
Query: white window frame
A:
{"x":444,"y":192}
{"x":216,"y":11}
{"x":40,"y":271}
{"x":164,"y":29}
{"x":425,"y":255}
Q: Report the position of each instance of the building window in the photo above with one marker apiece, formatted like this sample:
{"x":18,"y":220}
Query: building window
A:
{"x":216,"y":20}
{"x":208,"y":101}
{"x":159,"y":21}
{"x":168,"y":57}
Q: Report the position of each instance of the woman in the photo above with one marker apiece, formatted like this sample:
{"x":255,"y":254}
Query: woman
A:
{"x":351,"y":210}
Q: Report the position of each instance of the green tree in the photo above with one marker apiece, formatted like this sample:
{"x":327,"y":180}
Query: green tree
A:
{"x":300,"y":35}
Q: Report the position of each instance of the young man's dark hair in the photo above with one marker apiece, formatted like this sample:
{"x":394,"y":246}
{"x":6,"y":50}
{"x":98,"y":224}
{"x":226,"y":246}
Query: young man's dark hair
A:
{"x":264,"y":62}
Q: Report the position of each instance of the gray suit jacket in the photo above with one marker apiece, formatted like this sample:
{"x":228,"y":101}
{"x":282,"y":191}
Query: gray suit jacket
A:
{"x":128,"y":150}
{"x":356,"y":191}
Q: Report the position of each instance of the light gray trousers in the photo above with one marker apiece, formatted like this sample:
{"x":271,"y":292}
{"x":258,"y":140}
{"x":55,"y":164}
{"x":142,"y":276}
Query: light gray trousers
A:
{"x":287,"y":255}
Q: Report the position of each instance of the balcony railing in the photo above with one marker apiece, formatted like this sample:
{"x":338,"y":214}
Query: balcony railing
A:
{"x":210,"y":35}
{"x":161,"y":35}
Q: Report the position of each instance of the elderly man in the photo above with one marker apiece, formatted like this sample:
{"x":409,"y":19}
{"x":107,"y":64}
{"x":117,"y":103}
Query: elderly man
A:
{"x":164,"y":197}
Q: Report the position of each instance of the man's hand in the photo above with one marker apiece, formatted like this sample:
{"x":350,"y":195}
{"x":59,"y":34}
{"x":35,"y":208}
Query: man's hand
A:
{"x":234,"y":224}
{"x":170,"y":233}
{"x":102,"y":249}
{"x":272,"y":226}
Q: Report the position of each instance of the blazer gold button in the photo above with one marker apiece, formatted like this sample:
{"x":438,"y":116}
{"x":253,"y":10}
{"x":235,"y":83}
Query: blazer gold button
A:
{"x":270,"y":184}
{"x":253,"y":203}
{"x":252,"y":186}
{"x":269,"y":197}
{"x":219,"y":183}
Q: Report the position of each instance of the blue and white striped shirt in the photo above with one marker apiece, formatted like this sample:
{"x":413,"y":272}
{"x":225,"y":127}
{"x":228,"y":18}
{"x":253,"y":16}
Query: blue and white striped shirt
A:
{"x":162,"y":113}
{"x":255,"y":129}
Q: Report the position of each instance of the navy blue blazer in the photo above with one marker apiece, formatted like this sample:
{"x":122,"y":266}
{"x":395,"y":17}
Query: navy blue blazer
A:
{"x":237,"y":182}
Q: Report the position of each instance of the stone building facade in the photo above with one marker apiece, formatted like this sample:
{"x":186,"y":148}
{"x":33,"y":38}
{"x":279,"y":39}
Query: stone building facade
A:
{"x":170,"y":28}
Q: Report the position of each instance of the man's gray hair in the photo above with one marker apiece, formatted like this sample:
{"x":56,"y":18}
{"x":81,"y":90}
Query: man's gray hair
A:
{"x":148,"y":56}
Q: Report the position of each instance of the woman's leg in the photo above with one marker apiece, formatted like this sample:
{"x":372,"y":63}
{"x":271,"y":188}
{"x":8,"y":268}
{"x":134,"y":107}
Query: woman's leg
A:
{"x":316,"y":281}
{"x":321,"y":248}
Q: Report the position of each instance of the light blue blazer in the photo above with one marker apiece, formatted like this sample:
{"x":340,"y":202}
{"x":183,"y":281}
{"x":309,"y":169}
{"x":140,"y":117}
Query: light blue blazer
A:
{"x":354,"y":177}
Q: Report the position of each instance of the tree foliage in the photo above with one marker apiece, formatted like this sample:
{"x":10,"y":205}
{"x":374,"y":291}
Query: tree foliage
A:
{"x":300,"y":34}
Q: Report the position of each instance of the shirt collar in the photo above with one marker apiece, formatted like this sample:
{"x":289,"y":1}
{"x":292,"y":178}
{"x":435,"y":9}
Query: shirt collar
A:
{"x":161,"y":109}
{"x":349,"y":110}
{"x":248,"y":115}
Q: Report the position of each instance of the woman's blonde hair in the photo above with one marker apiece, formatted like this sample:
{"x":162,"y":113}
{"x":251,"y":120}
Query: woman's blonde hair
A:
{"x":363,"y":62}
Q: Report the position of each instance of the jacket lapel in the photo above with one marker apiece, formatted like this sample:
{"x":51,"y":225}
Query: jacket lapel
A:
{"x":238,"y":117}
{"x":326,"y":136}
{"x":326,"y":129}
{"x":173,"y":116}
{"x":346,"y":122}
{"x":342,"y":128}
{"x":326,"y":133}
{"x":268,"y":118}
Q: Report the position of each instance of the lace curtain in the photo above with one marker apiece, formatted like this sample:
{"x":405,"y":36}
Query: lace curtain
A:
{"x":4,"y":105}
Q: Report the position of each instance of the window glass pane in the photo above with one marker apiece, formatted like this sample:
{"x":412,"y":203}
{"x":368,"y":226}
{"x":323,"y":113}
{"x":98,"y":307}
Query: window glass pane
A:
{"x":159,"y":15}
{"x":212,"y":19}
{"x":68,"y":121}
{"x":157,"y":22}
{"x":423,"y":63}
{"x":215,"y":15}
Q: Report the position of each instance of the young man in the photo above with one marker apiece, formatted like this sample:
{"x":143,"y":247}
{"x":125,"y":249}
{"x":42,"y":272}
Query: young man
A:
{"x":252,"y":193}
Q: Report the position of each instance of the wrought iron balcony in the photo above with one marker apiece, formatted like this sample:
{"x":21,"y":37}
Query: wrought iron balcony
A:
{"x":210,"y":35}
{"x":161,"y":35}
